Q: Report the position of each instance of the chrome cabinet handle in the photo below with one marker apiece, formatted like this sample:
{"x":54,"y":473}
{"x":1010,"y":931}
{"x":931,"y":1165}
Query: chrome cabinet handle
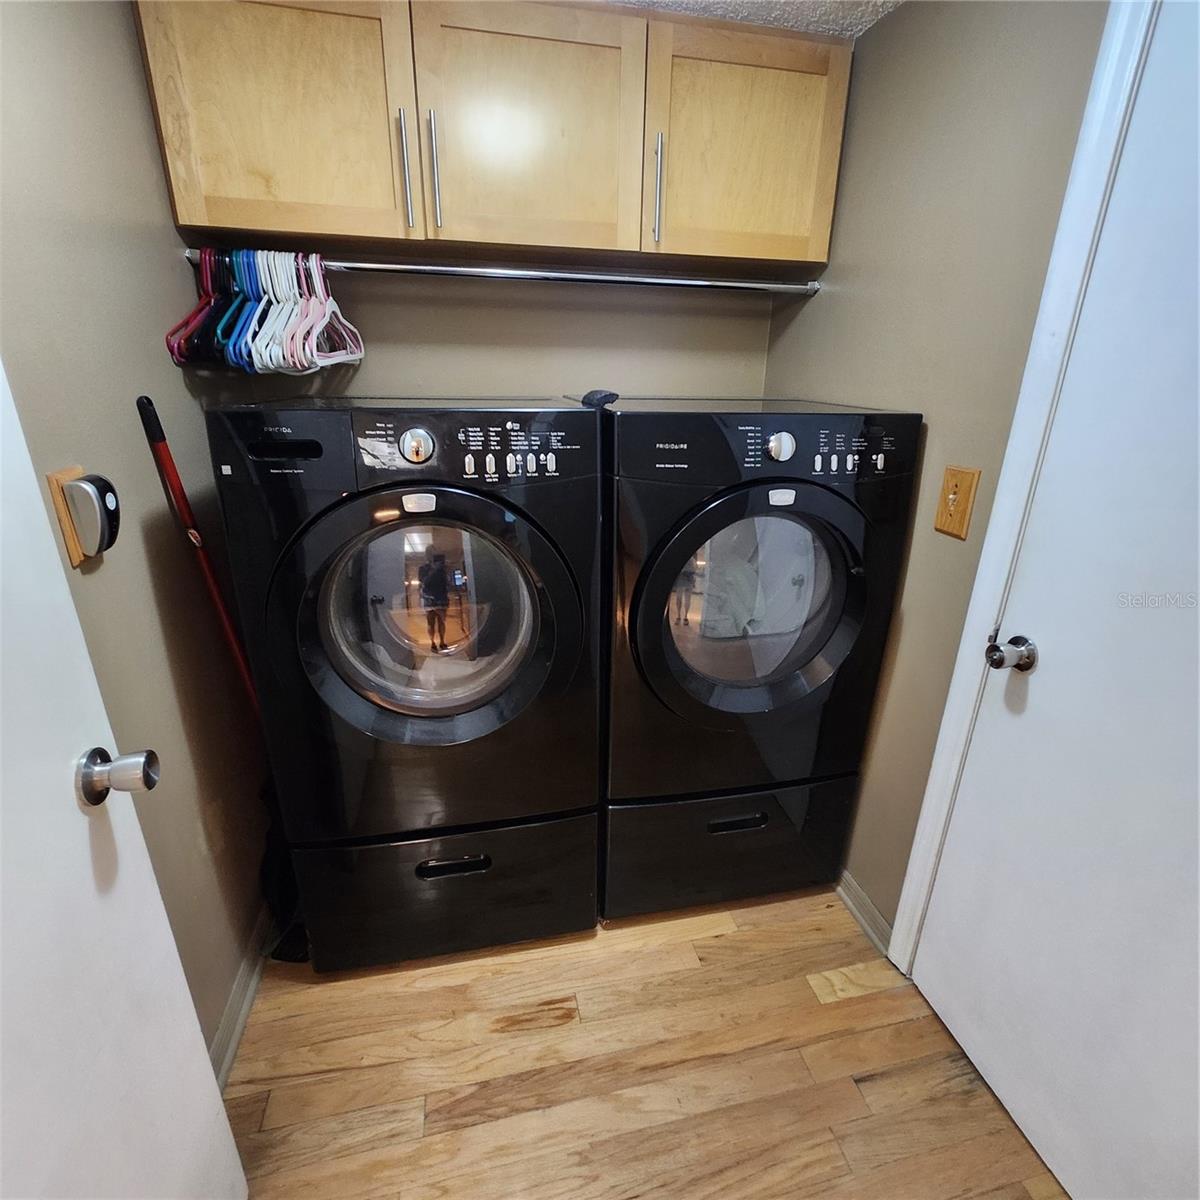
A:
{"x":437,"y":175}
{"x":97,"y":773}
{"x":1018,"y":652}
{"x":408,"y":200}
{"x":658,"y":164}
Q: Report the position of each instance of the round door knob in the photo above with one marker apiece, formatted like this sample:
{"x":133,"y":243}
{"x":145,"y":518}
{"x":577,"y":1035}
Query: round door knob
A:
{"x":97,"y":773}
{"x":417,"y":445}
{"x":781,"y":446}
{"x":1019,"y":653}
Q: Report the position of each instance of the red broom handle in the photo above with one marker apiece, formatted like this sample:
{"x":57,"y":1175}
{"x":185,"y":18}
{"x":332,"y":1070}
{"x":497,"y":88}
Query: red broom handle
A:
{"x":182,"y":510}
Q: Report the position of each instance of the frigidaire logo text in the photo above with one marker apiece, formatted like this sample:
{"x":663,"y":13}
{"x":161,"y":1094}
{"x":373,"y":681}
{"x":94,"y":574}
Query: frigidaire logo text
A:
{"x":670,"y":445}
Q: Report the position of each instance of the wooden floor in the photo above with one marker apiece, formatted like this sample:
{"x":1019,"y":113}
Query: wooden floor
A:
{"x":764,"y":1051}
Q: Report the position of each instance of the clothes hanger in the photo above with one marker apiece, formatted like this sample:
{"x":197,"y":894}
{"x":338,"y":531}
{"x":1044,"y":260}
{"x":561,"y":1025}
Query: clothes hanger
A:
{"x":297,"y":360}
{"x":178,"y":335}
{"x":273,"y":356}
{"x":262,"y":343}
{"x":202,"y":346}
{"x":263,"y":311}
{"x":228,"y":324}
{"x":334,"y":339}
{"x":237,"y":352}
{"x":290,"y":278}
{"x":315,"y":315}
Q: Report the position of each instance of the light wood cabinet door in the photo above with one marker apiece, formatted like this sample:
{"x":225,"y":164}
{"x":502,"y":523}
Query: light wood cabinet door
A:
{"x":751,"y":129}
{"x":538,"y":114}
{"x":285,"y":117}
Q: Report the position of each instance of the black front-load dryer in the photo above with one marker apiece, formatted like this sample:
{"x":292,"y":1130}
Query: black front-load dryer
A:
{"x":418,"y":587}
{"x":756,"y":560}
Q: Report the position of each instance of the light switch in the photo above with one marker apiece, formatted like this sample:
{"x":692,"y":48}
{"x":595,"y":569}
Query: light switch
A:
{"x":953,"y":515}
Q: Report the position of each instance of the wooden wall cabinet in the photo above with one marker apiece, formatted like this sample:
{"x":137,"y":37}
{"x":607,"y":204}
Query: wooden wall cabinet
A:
{"x":751,"y":134}
{"x":285,"y":117}
{"x":539,"y":123}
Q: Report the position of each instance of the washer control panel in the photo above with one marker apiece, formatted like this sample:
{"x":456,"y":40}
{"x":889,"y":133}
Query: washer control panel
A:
{"x":482,"y":446}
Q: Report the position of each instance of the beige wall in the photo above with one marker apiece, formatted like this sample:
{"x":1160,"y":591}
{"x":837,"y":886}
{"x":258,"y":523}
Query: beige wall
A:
{"x":91,"y":275}
{"x":959,"y":137}
{"x":85,"y":231}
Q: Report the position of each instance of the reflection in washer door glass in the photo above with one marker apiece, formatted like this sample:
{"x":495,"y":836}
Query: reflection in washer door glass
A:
{"x":753,"y":603}
{"x":431,"y":618}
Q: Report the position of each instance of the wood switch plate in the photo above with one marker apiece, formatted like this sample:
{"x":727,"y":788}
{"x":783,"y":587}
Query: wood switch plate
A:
{"x":953,"y":515}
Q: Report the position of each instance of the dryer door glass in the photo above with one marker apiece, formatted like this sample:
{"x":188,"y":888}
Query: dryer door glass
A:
{"x":428,"y":618}
{"x":756,"y":601}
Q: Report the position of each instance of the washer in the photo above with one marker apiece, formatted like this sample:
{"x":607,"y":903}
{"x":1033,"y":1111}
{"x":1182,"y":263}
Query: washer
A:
{"x":420,"y":611}
{"x":756,"y":562}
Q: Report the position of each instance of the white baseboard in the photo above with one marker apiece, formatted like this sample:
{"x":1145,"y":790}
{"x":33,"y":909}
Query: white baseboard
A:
{"x":223,"y":1047}
{"x":864,"y":912}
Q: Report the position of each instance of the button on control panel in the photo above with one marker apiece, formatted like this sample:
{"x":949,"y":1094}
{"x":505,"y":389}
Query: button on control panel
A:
{"x":480,"y":446}
{"x":522,"y":448}
{"x":822,"y":448}
{"x":845,"y":454}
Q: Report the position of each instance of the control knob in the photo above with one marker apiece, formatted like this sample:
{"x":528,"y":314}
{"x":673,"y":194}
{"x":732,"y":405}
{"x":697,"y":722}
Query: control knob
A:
{"x":781,"y":446}
{"x":417,"y":445}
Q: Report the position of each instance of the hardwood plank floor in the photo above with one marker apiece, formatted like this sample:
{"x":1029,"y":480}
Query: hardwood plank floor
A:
{"x":751,"y":1053}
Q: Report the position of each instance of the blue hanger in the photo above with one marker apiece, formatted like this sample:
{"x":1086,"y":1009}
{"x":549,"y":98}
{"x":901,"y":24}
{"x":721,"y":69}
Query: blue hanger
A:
{"x":229,"y":322}
{"x":238,"y":351}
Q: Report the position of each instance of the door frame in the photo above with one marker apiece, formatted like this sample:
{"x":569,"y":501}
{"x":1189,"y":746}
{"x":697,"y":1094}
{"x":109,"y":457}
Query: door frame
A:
{"x":1120,"y":63}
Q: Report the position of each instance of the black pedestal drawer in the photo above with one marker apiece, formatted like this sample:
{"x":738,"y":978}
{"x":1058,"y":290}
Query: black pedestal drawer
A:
{"x":673,"y":854}
{"x":378,"y":904}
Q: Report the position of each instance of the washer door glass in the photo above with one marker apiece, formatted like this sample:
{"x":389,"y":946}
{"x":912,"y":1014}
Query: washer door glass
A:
{"x":429,"y":618}
{"x":755,"y":602}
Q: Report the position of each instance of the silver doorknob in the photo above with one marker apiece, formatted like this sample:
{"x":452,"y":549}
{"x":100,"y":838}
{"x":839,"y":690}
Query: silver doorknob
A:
{"x":1018,"y":652}
{"x":97,"y":773}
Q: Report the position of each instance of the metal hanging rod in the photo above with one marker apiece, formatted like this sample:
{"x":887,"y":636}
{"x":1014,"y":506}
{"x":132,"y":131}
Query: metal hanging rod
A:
{"x":553,"y":276}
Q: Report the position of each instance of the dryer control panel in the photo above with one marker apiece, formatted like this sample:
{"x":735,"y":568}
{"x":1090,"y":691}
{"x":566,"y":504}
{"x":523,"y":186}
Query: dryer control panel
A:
{"x":488,"y":446}
{"x":833,"y":447}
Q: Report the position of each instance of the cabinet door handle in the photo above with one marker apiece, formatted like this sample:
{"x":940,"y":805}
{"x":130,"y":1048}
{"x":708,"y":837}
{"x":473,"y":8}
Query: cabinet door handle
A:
{"x":408,"y":200}
{"x":658,"y":164}
{"x":437,"y":175}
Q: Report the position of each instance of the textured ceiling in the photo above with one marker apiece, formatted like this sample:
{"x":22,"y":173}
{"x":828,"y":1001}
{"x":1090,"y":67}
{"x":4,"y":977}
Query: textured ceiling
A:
{"x":837,"y":18}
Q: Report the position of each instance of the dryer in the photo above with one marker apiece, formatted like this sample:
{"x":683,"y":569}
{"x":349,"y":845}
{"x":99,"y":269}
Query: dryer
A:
{"x":756,"y":561}
{"x":418,"y":586}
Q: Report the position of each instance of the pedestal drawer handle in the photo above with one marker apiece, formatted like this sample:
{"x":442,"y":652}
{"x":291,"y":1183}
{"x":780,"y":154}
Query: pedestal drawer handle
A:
{"x":470,"y":864}
{"x":735,"y":824}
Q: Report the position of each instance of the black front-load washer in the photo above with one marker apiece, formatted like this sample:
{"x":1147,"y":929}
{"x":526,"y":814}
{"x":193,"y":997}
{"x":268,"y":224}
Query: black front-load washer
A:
{"x":756,"y":560}
{"x":418,"y":587}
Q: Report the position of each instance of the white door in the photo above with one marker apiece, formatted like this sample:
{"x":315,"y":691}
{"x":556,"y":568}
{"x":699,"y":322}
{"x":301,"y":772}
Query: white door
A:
{"x":105,"y":1084}
{"x":1060,"y":940}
